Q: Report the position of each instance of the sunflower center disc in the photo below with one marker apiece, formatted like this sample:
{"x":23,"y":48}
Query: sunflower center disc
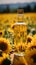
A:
{"x":28,"y":40}
{"x":3,"y":46}
{"x":34,"y":58}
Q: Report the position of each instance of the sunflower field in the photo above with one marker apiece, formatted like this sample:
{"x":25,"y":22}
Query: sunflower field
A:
{"x":18,"y":39}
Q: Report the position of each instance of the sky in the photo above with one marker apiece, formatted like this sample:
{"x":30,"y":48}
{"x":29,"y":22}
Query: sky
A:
{"x":15,"y":1}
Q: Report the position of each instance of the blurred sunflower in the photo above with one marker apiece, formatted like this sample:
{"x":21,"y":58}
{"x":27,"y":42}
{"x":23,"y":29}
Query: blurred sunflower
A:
{"x":5,"y":45}
{"x":3,"y":56}
{"x":32,"y":45}
{"x":29,"y":39}
{"x":30,"y":56}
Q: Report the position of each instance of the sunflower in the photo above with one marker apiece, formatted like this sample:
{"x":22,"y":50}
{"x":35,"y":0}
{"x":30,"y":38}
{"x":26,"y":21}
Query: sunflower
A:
{"x":5,"y":45}
{"x":32,"y":45}
{"x":3,"y":56}
{"x":29,"y":39}
{"x":30,"y":56}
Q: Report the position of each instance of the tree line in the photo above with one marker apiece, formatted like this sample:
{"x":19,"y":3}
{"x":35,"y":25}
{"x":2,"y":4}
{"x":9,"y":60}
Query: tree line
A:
{"x":26,"y":9}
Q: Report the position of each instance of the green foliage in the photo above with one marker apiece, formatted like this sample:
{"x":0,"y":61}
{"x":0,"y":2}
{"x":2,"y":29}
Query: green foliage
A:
{"x":9,"y":35}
